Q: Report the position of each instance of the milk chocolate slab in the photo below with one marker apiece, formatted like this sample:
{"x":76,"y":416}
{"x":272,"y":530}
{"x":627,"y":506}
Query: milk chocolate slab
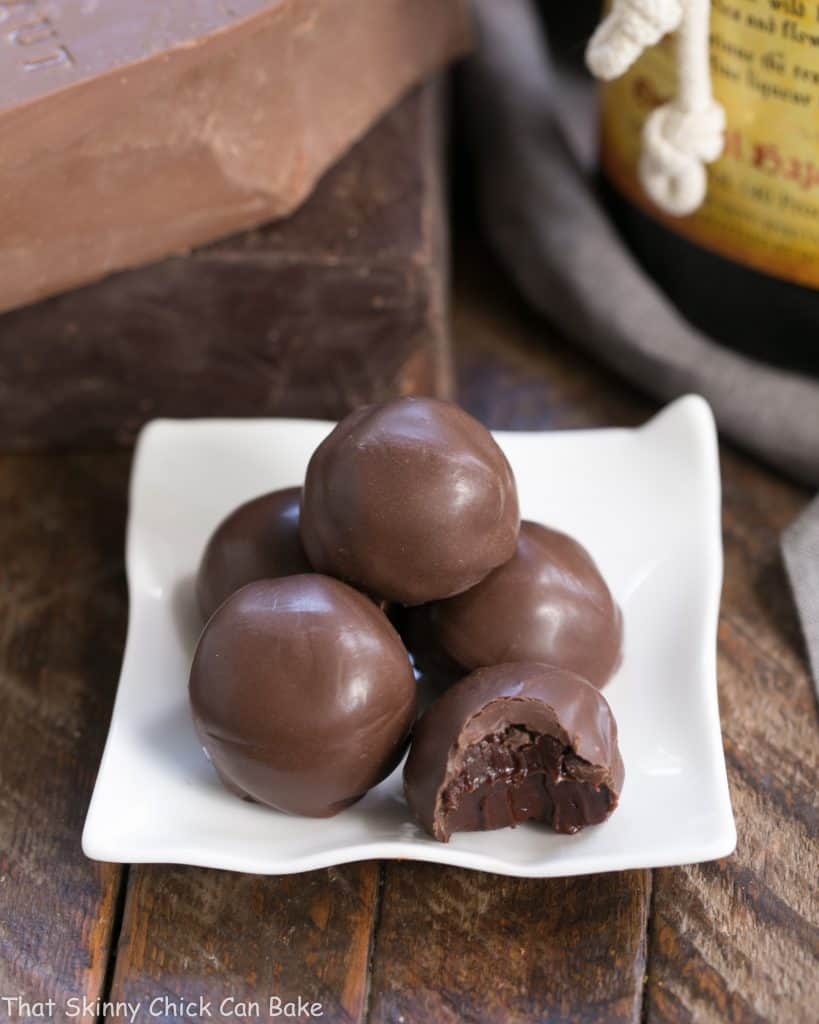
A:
{"x":340,"y":304}
{"x":135,"y":130}
{"x":513,"y":743}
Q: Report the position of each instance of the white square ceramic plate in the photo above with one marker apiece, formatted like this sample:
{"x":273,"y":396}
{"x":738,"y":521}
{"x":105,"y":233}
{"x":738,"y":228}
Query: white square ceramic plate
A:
{"x":645,"y":502}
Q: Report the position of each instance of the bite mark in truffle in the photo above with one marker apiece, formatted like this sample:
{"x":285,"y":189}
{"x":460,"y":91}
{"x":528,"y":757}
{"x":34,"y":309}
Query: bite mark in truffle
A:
{"x":514,"y":743}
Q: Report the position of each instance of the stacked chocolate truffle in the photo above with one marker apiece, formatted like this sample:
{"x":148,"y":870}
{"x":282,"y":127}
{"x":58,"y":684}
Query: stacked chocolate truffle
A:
{"x":302,"y":688}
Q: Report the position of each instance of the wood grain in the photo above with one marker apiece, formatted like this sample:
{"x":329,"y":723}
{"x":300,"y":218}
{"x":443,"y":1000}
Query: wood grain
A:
{"x":189,"y":933}
{"x":62,"y":626}
{"x":458,"y":946}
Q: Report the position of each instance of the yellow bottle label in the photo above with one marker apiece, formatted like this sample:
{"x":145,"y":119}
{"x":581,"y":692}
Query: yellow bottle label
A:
{"x":762,"y":208}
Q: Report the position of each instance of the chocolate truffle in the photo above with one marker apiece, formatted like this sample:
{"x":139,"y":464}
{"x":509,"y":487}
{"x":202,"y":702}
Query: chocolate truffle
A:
{"x":259,"y":540}
{"x":549,"y":603}
{"x":512,"y":743}
{"x":302,"y":694}
{"x":411,"y":501}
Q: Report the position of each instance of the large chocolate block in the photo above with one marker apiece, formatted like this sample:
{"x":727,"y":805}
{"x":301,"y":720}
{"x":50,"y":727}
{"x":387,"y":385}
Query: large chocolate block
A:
{"x":135,"y":129}
{"x":342,"y":303}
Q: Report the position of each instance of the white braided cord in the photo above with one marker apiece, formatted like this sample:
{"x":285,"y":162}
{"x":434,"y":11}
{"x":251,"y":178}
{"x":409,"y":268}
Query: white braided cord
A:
{"x":684,"y":135}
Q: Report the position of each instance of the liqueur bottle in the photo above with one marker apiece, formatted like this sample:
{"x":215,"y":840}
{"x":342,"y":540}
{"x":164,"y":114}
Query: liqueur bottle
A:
{"x":744,"y":267}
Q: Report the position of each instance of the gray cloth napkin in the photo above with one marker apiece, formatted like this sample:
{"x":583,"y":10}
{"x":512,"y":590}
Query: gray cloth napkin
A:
{"x":557,"y":244}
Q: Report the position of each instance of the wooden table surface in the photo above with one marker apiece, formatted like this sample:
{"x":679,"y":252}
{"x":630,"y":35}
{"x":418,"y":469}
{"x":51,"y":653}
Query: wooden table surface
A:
{"x":731,"y":941}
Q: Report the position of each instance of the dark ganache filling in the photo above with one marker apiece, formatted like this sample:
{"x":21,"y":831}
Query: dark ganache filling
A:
{"x":517,"y":775}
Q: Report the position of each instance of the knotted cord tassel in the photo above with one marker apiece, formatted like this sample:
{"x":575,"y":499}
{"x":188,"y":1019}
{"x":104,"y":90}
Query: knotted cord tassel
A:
{"x":687,"y":133}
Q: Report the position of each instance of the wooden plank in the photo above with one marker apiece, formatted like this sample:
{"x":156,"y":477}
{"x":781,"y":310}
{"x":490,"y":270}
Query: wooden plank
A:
{"x":738,"y":940}
{"x":189,"y":933}
{"x":62,"y":626}
{"x":456,"y":946}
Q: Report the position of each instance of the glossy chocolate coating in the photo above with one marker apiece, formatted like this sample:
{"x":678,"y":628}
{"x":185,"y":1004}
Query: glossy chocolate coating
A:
{"x":411,"y":501}
{"x":512,"y":743}
{"x":549,"y":603}
{"x":302,"y":694}
{"x":258,"y":540}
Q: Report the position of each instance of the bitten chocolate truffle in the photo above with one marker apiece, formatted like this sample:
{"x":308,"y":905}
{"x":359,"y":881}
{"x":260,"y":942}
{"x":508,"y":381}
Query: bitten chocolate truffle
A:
{"x":258,"y":540}
{"x":512,"y":743}
{"x":549,"y":603}
{"x":302,"y":694}
{"x":411,"y":500}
